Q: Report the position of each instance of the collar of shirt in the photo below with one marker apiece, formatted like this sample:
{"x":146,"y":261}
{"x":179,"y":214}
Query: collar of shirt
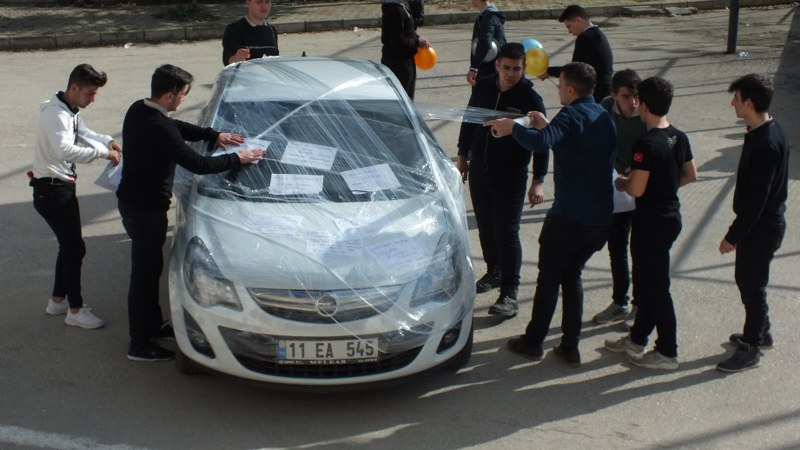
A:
{"x":156,"y":106}
{"x":253,"y":24}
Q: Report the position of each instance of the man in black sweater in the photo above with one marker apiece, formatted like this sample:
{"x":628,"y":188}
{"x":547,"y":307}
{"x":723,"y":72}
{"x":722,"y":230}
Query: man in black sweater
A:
{"x":759,"y":203}
{"x":251,"y":36}
{"x":498,"y":172}
{"x":400,"y":43}
{"x":154,"y":144}
{"x":591,"y":47}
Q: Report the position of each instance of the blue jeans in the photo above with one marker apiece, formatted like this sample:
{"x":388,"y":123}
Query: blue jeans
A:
{"x":754,"y":254}
{"x":58,"y":205}
{"x":651,"y":241}
{"x":497,"y":202}
{"x":564,"y":248}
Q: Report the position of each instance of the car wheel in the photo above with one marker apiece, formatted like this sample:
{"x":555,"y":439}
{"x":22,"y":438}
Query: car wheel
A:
{"x":185,"y":365}
{"x":462,"y":358}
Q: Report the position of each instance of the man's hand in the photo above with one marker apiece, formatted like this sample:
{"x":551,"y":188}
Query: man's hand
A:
{"x":726,"y":247}
{"x":463,"y":168}
{"x":536,"y":192}
{"x":621,"y":183}
{"x":226,"y":139}
{"x":250,"y":156}
{"x":112,"y":145}
{"x":472,"y":77}
{"x":424,"y":43}
{"x":538,"y":119}
{"x":543,"y":76}
{"x":243,"y":54}
{"x":114,"y":156}
{"x":500,"y":127}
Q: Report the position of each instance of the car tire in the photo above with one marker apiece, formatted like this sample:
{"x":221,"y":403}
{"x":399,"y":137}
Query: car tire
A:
{"x":185,"y":365}
{"x":462,"y":357}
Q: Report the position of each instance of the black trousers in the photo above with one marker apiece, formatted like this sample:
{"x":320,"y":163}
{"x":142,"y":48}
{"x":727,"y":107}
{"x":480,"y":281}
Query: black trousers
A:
{"x":406,"y":73}
{"x":618,"y":239}
{"x":651,"y":241}
{"x":754,"y":253}
{"x":58,"y":205}
{"x":497,"y":201}
{"x":148,"y":232}
{"x":564,"y":248}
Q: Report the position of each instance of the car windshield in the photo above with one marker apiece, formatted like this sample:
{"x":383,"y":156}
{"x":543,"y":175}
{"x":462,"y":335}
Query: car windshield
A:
{"x":323,"y":150}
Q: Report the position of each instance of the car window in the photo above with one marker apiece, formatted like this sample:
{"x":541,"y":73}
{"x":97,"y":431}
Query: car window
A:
{"x":324,"y":150}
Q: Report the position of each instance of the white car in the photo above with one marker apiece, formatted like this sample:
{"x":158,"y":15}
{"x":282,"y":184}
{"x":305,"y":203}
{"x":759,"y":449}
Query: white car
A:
{"x":342,"y":257}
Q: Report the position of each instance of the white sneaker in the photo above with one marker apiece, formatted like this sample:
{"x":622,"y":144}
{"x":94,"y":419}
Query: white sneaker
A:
{"x":84,"y":319}
{"x":625,"y":345}
{"x":56,"y":309}
{"x":655,"y":360}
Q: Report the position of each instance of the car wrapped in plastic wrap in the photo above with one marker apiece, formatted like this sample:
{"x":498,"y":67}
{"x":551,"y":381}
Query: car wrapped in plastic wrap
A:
{"x":341,"y":257}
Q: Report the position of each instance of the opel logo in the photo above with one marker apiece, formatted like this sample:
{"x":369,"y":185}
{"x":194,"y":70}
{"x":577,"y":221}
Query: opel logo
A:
{"x":327,"y":305}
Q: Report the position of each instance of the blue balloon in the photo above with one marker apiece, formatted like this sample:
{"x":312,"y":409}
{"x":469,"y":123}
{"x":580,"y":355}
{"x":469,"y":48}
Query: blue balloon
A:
{"x":529,"y":43}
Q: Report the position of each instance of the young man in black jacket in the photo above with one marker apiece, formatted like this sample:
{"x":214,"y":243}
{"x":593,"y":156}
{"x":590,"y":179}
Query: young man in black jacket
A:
{"x":400,"y":43}
{"x":591,"y":47}
{"x":498,"y":172}
{"x":155,"y":143}
{"x":487,"y":31}
{"x":251,"y":36}
{"x":759,"y":202}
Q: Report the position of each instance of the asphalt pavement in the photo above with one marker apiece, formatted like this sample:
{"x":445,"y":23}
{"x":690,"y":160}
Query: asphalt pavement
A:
{"x":68,"y":388}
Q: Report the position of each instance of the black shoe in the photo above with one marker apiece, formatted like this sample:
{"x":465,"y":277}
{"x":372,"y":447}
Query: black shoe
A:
{"x":489,"y":281}
{"x":505,"y":306}
{"x":520,"y":346}
{"x":150,"y":352}
{"x":746,"y":357}
{"x":736,"y":339}
{"x":571,"y":356}
{"x":165,"y":332}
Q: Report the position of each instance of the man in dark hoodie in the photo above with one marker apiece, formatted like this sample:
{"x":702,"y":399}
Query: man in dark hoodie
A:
{"x":488,"y":30}
{"x":400,"y":42}
{"x":498,"y":172}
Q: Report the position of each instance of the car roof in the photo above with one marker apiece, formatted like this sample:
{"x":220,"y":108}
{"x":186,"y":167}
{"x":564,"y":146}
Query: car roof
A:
{"x":306,"y":78}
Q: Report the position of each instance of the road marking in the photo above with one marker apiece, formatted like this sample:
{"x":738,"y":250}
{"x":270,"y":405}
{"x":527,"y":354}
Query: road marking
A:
{"x":40,"y":439}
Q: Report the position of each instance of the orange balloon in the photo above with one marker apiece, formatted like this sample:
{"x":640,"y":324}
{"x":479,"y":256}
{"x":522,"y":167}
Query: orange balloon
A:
{"x":425,"y":58}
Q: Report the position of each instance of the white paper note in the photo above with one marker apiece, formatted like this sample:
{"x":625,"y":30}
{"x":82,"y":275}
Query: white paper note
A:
{"x":323,"y":243}
{"x":309,"y":155}
{"x":290,"y":184}
{"x":370,"y":179}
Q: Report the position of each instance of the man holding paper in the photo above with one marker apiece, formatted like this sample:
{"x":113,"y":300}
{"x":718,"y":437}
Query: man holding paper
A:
{"x":156,"y":144}
{"x":53,"y":180}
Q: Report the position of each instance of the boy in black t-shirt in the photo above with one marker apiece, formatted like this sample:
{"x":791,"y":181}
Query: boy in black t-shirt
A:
{"x":662,"y":162}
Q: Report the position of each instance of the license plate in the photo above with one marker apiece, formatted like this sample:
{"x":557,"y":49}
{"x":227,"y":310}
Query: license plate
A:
{"x":327,"y":352}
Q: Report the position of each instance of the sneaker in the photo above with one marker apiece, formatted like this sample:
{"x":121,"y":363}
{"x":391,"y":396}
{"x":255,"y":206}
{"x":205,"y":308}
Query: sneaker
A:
{"x":489,"y":281}
{"x":83,"y":318}
{"x":614,"y":313}
{"x":520,"y":346}
{"x":165,"y":332}
{"x":736,"y":339}
{"x":655,"y":360}
{"x":624,"y":345}
{"x":571,"y":356}
{"x":56,"y":309}
{"x":505,"y":306}
{"x":150,"y":352}
{"x":746,"y":357}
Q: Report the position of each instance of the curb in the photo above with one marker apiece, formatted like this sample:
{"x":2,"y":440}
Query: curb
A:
{"x":197,"y":32}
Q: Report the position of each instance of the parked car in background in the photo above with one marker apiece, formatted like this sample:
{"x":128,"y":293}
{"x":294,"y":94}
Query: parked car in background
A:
{"x":342,"y":257}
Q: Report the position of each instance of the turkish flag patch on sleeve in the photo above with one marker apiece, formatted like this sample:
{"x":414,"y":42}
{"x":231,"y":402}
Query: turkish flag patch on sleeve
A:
{"x":638,"y":157}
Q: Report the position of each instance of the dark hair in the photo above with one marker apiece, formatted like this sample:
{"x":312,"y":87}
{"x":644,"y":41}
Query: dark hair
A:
{"x":169,"y":78}
{"x":656,"y":93}
{"x":625,"y":78}
{"x":580,"y":76}
{"x":573,"y":11}
{"x":512,"y":50}
{"x":756,"y":88}
{"x":85,"y":75}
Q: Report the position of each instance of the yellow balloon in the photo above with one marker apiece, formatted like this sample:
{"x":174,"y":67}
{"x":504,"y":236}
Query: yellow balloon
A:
{"x":536,"y":62}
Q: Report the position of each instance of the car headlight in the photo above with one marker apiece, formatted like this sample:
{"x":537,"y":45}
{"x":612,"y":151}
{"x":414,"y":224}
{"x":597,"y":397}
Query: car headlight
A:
{"x":204,"y":281}
{"x":440,"y":281}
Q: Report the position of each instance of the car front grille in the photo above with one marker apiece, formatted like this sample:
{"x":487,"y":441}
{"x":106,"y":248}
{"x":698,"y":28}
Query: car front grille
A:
{"x":325,"y":307}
